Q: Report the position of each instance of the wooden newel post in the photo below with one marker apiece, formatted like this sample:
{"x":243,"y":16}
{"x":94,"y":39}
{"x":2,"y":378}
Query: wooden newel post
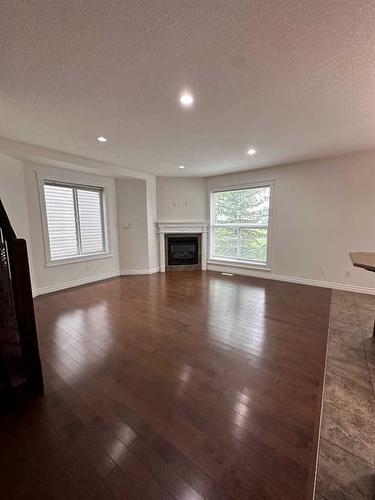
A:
{"x":24,"y":306}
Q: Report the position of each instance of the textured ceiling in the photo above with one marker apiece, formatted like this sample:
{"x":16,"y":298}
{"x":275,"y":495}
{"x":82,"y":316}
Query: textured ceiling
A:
{"x":295,"y":79}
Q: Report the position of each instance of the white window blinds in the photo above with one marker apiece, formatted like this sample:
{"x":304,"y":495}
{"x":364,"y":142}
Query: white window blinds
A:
{"x":90,"y":221}
{"x":75,"y":220}
{"x":61,"y":220}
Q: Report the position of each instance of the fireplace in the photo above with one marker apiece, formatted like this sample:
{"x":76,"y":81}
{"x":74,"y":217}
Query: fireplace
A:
{"x":183,"y":251}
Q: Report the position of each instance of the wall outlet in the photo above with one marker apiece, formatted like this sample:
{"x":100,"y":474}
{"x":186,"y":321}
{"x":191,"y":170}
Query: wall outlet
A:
{"x":87,"y":267}
{"x":348,"y":274}
{"x":323,"y":270}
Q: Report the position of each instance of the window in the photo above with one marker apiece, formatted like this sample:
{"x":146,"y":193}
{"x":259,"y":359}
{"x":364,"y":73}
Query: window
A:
{"x":239,"y":224}
{"x":75,"y":220}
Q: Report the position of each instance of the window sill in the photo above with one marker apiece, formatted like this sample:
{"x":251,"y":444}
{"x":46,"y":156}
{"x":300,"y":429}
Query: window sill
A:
{"x":81,"y":258}
{"x":239,"y":263}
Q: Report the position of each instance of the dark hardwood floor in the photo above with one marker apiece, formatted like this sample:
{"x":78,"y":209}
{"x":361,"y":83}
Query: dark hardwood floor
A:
{"x":172,"y":386}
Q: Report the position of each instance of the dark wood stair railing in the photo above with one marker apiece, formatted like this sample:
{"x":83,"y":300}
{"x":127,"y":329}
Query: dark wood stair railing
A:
{"x":20,"y":366}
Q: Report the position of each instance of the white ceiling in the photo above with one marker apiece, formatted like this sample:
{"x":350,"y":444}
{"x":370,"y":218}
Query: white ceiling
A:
{"x":294,"y":79}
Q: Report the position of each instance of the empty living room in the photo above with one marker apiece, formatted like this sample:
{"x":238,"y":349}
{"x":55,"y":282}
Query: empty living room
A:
{"x":187,"y":250}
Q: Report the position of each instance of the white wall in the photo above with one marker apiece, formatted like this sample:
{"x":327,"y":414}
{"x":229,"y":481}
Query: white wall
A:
{"x":13,"y":196}
{"x":136,"y":230}
{"x":322,"y":210}
{"x":181,"y":199}
{"x":136,"y":225}
{"x":153,"y":243}
{"x":66,"y":275}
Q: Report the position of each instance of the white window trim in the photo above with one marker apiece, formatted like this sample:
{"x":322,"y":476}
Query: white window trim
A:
{"x":266,"y":266}
{"x":41,"y":179}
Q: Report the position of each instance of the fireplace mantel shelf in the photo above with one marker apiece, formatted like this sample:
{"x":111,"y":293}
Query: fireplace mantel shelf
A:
{"x":197,"y":227}
{"x":168,"y":226}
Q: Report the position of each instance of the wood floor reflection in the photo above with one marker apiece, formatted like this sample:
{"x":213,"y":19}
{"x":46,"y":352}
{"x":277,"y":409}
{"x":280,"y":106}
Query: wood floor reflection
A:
{"x":173,"y":386}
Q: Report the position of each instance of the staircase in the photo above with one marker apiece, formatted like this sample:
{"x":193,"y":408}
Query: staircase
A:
{"x":20,"y":367}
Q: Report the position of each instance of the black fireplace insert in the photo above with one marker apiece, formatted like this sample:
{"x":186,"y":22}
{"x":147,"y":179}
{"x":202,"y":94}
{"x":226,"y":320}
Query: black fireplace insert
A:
{"x":182,"y":250}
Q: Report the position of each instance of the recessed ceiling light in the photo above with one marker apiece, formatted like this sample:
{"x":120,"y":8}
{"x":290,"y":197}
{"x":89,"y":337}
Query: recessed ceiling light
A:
{"x":101,"y":139}
{"x":251,"y":151}
{"x":186,"y":100}
{"x":181,"y":166}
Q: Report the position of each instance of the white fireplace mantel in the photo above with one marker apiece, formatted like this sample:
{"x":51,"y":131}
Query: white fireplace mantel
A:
{"x":194,"y":227}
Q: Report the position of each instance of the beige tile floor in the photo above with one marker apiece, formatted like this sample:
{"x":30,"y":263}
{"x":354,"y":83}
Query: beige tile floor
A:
{"x":346,"y":465}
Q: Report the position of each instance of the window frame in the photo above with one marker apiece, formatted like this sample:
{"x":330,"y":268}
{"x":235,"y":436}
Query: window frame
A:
{"x":81,"y":257}
{"x":265,"y":266}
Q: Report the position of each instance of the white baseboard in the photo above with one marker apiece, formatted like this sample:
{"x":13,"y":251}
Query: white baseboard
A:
{"x":210,"y":267}
{"x":71,"y":284}
{"x":92,"y":279}
{"x":290,"y":279}
{"x":131,"y":272}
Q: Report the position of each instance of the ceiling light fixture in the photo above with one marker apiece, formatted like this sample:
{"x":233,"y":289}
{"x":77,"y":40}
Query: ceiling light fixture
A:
{"x":251,"y":151}
{"x":181,"y":166}
{"x":186,"y":100}
{"x":101,"y":139}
